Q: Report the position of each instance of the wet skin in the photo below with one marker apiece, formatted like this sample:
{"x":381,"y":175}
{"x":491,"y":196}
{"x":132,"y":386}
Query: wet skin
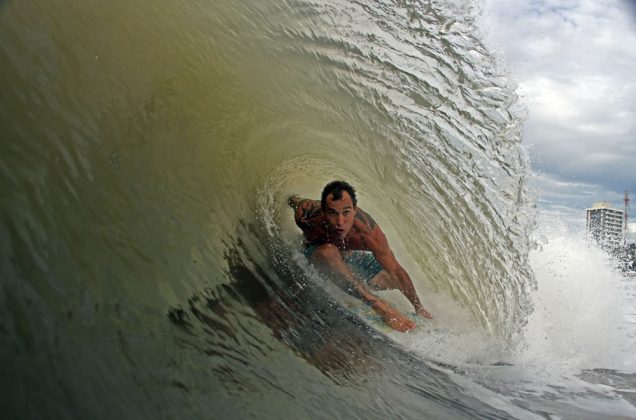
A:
{"x":340,"y":227}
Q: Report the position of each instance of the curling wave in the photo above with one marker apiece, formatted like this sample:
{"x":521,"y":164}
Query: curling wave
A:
{"x":151,"y":153}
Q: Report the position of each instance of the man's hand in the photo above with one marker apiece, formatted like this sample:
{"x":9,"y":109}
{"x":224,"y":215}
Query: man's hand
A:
{"x":392,"y":317}
{"x":293,"y":201}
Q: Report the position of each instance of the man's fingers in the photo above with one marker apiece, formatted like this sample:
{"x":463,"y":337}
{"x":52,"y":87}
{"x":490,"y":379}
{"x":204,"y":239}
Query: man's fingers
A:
{"x":401,"y":324}
{"x":392,"y":317}
{"x":424,"y":313}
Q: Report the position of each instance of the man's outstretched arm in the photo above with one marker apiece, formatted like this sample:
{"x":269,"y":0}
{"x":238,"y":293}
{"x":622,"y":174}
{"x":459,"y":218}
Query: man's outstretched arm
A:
{"x":329,"y":261}
{"x":384,"y":255}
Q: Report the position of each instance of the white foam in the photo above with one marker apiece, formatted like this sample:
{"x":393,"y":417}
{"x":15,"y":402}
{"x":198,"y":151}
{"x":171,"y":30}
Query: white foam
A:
{"x":582,"y":311}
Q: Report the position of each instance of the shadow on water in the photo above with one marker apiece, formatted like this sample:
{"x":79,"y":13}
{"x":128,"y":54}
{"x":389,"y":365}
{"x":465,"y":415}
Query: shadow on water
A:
{"x":302,"y":317}
{"x":306,"y":320}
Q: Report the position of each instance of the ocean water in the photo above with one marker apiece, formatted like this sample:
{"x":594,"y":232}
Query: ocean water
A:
{"x":151,"y":268}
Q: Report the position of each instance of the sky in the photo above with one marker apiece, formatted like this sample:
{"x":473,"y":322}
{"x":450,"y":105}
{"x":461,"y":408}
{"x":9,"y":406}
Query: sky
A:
{"x":574,"y":63}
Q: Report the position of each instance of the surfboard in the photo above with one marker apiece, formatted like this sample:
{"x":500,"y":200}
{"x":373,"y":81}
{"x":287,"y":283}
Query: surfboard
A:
{"x":370,"y":317}
{"x":364,"y":312}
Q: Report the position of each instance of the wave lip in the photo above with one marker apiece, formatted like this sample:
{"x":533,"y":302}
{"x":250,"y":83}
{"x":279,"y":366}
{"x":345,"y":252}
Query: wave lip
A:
{"x":408,"y":105}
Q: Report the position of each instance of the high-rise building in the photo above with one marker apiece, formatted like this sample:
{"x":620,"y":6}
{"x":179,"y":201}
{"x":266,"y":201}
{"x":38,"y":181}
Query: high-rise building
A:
{"x":606,"y":225}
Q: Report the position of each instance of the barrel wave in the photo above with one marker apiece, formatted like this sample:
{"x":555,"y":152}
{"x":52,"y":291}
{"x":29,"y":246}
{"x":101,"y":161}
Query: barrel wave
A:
{"x":150,"y":264}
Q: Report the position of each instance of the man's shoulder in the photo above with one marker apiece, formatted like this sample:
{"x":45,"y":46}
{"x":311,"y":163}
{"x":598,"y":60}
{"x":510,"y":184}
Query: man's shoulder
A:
{"x":369,"y":233}
{"x":365,"y":221}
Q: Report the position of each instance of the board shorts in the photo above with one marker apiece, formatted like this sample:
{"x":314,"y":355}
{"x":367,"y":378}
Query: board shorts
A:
{"x":362,"y":263}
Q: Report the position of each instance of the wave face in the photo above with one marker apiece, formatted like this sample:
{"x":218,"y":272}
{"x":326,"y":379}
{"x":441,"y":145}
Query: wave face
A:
{"x":150,"y":265}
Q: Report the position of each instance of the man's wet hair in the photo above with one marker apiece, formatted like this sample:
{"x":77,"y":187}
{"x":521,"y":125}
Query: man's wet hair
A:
{"x":336,"y":188}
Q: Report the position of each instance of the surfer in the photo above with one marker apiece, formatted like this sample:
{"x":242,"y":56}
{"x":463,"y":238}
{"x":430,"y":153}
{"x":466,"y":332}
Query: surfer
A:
{"x":345,"y":243}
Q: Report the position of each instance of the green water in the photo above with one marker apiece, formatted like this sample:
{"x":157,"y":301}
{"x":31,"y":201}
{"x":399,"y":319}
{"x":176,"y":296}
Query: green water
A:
{"x":147,"y":255}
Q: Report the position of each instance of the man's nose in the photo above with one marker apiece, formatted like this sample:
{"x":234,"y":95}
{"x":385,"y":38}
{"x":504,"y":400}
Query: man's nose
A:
{"x":341,"y":219}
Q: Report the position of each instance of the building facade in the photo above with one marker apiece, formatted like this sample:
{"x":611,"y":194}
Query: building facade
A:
{"x":606,"y":225}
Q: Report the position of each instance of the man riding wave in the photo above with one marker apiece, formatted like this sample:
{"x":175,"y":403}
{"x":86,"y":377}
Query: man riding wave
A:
{"x":345,"y":243}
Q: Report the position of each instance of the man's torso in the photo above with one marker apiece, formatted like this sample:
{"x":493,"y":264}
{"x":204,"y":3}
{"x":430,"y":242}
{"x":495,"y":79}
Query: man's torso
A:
{"x":310,"y":218}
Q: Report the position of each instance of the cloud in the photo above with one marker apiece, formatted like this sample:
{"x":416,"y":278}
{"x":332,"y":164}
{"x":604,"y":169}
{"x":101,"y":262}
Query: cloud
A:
{"x":574,"y":62}
{"x":563,"y":203}
{"x":557,"y":192}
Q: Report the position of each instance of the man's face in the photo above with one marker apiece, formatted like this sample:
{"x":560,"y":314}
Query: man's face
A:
{"x":340,"y":214}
